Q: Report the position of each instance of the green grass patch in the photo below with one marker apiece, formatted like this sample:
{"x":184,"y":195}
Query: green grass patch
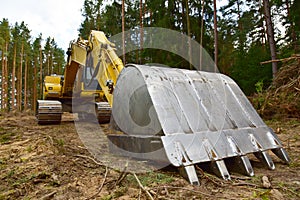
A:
{"x":60,"y":142}
{"x":6,"y":195}
{"x":293,"y":122}
{"x":2,"y":161}
{"x":107,"y":197}
{"x":6,"y":137}
{"x":29,"y":149}
{"x":263,"y":194}
{"x":120,"y":191}
{"x":151,"y":178}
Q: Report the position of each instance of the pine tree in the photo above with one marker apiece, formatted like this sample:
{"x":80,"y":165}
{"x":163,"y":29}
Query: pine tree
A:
{"x":25,"y":50}
{"x":141,"y":29}
{"x":5,"y":35}
{"x":92,"y":17}
{"x":294,"y":17}
{"x":48,"y":54}
{"x":215,"y":34}
{"x":15,"y":40}
{"x":270,"y":31}
{"x":241,"y":31}
{"x":123,"y":31}
{"x":36,"y":48}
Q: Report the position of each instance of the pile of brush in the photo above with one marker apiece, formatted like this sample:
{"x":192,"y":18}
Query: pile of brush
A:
{"x":282,"y":98}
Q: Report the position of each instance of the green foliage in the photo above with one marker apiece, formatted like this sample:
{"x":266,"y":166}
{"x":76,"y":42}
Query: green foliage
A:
{"x":54,"y":58}
{"x":6,"y":137}
{"x":156,"y":13}
{"x":60,"y":142}
{"x":263,"y":194}
{"x":247,"y":71}
{"x":22,"y":53}
{"x":259,"y":86}
{"x":91,"y":13}
{"x":151,"y":178}
{"x":2,"y":162}
{"x":107,"y":197}
{"x":291,"y":21}
{"x":259,"y":98}
{"x":4,"y":31}
{"x":242,"y":36}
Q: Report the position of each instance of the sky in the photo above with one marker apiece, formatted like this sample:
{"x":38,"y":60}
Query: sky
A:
{"x":58,"y":19}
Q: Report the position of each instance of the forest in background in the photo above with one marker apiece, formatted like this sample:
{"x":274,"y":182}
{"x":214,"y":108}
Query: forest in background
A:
{"x":24,"y":63}
{"x":243,"y":40}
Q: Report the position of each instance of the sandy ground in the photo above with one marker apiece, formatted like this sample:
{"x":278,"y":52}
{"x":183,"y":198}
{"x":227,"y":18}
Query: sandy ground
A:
{"x":51,"y":162}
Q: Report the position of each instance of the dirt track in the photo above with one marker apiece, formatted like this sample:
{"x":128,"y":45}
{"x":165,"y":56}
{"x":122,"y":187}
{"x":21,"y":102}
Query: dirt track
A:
{"x":50,"y":162}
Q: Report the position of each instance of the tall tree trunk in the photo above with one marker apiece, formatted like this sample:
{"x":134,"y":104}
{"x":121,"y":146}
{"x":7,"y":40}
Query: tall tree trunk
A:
{"x":188,"y":24}
{"x":41,"y":71}
{"x":293,"y":33}
{"x":263,"y":34}
{"x":270,"y":32}
{"x":20,"y":80}
{"x":239,"y":15}
{"x":183,"y":21}
{"x":25,"y":84}
{"x":13,"y":78}
{"x":5,"y":78}
{"x":5,"y":93}
{"x":51,"y":62}
{"x":201,"y":33}
{"x":48,"y":65}
{"x":141,"y":31}
{"x":123,"y":30}
{"x":3,"y":57}
{"x":183,"y":17}
{"x":215,"y":35}
{"x":240,"y":27}
{"x":35,"y":82}
{"x":151,"y":17}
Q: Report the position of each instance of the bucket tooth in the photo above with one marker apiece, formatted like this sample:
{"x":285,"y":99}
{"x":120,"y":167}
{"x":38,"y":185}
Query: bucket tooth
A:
{"x":282,"y":154}
{"x":241,"y":164}
{"x":220,"y":169}
{"x":265,"y":158}
{"x":189,"y":173}
{"x":245,"y":163}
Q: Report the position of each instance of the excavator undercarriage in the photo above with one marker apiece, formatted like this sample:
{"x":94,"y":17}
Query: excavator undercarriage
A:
{"x":50,"y":112}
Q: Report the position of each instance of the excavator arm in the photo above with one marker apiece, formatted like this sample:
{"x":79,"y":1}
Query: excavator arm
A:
{"x":97,"y":54}
{"x":107,"y":65}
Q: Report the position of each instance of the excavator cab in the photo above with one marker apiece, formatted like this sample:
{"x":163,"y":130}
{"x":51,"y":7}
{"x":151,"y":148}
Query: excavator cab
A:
{"x":52,"y":86}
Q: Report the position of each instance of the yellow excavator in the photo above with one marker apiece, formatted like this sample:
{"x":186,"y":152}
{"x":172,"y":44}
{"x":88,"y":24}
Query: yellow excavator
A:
{"x":181,"y":117}
{"x":87,"y":83}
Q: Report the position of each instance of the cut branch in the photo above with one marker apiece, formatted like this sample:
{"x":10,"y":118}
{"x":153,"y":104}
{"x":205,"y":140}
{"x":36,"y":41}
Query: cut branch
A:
{"x":296,"y":56}
{"x":92,"y":159}
{"x":102,"y":184}
{"x":142,"y":187}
